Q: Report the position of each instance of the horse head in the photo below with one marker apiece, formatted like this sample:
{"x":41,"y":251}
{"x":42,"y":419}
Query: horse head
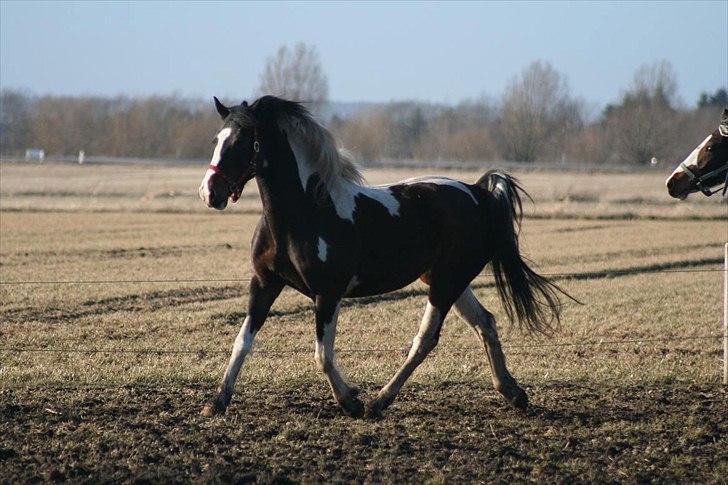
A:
{"x":705,"y":167}
{"x":234,"y":158}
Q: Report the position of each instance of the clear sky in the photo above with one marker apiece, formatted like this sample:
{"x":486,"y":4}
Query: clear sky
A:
{"x":440,"y":52}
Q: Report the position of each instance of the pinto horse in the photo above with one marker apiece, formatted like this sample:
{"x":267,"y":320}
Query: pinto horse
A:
{"x":706,"y":166}
{"x":329,"y":236}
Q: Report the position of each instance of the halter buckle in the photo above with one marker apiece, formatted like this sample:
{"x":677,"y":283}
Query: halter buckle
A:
{"x":256,"y":146}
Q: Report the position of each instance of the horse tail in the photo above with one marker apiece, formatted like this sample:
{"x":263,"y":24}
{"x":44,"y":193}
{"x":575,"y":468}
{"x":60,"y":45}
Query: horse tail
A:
{"x":526,"y":295}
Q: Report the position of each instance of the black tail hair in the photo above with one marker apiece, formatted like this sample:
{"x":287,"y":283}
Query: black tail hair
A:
{"x":527,"y":297}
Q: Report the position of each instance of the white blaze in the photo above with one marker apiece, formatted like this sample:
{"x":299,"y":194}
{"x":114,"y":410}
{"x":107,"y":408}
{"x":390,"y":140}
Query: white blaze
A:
{"x":204,"y":189}
{"x":221,"y":137}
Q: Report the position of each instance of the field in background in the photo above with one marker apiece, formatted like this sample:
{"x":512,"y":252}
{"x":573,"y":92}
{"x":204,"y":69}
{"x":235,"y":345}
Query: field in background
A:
{"x":149,"y":188}
{"x":647,"y":268}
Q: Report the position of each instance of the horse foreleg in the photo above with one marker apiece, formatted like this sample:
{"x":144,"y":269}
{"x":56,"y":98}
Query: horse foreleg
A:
{"x":327,"y":313}
{"x":260,"y":300}
{"x":425,"y":340}
{"x":482,"y":321}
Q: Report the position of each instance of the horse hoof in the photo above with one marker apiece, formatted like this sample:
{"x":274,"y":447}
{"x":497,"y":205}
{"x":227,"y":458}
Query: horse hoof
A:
{"x":212,"y":408}
{"x":352,"y":406}
{"x":518,"y":399}
{"x":374,"y":410}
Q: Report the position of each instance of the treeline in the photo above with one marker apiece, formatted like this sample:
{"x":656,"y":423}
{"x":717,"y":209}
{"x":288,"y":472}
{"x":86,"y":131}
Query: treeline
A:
{"x":535,"y":119}
{"x":155,"y":127}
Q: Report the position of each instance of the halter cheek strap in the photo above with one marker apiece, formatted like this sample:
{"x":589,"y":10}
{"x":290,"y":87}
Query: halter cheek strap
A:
{"x":236,"y":186}
{"x":701,"y":179}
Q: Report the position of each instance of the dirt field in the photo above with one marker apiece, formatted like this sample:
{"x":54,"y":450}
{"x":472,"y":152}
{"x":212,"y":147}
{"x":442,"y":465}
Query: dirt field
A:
{"x":104,"y":380}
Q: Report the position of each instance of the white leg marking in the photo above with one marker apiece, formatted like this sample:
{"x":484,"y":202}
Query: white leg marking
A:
{"x":322,"y":249}
{"x":422,"y":344}
{"x":242,"y":346}
{"x":469,"y":309}
{"x":326,"y":358}
{"x":430,"y":322}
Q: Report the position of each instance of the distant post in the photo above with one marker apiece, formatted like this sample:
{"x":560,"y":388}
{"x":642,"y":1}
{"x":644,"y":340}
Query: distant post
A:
{"x":81,"y":157}
{"x":725,"y":316}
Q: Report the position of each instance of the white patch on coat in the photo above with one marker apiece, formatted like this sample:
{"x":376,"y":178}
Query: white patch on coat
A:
{"x":345,"y":193}
{"x":345,"y":197}
{"x":431,"y":179}
{"x":305,"y":170}
{"x":323,"y":249}
{"x":691,"y":161}
{"x":353,"y":283}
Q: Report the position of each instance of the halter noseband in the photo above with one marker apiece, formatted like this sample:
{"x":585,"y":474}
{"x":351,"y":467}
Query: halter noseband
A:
{"x":236,"y":187}
{"x":701,"y":179}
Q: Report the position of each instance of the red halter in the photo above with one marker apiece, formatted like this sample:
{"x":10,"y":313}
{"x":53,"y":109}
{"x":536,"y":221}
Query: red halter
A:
{"x":236,"y":187}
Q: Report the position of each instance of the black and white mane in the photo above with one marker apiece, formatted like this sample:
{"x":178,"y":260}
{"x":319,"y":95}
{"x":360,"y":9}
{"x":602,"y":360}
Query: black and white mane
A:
{"x":329,"y":236}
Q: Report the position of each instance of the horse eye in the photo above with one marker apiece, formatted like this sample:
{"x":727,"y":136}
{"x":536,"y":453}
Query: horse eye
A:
{"x":709,"y":148}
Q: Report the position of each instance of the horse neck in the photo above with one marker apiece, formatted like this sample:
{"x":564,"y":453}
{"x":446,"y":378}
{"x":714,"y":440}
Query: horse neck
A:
{"x":286,"y":206}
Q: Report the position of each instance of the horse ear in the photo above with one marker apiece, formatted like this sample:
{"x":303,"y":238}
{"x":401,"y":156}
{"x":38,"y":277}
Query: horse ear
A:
{"x":723,"y":127}
{"x":221,"y":108}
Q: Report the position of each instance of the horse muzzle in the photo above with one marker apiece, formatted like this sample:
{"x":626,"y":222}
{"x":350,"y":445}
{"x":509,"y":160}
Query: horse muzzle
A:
{"x":215,"y":198}
{"x":678,"y":186}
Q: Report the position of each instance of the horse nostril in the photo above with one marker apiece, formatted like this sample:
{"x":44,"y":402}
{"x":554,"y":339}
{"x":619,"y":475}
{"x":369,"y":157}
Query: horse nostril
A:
{"x":670,"y":184}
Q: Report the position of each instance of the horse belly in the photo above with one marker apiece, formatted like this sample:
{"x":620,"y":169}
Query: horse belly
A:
{"x":391,"y":264}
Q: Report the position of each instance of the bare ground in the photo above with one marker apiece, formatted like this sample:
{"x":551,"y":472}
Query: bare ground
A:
{"x":452,"y":432}
{"x":611,"y":401}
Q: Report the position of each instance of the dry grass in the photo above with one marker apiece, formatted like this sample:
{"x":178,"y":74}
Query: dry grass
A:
{"x":174,"y":189}
{"x":123,"y":223}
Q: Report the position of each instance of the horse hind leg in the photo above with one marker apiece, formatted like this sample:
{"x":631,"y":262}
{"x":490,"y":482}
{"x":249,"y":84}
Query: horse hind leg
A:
{"x":426,"y":339}
{"x":482,"y":321}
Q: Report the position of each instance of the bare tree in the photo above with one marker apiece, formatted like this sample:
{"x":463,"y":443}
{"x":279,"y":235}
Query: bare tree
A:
{"x":645,"y":123}
{"x":366,"y":134}
{"x":537,"y":112}
{"x":295,"y":74}
{"x":655,"y":82}
{"x":463,"y":132}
